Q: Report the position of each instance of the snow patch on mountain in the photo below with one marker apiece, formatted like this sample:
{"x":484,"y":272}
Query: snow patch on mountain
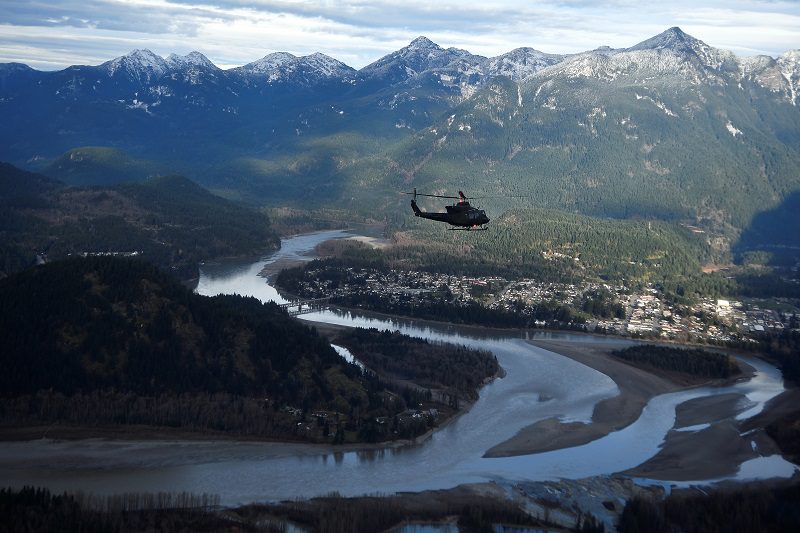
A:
{"x":789,"y":65}
{"x":733,"y":129}
{"x":659,"y":104}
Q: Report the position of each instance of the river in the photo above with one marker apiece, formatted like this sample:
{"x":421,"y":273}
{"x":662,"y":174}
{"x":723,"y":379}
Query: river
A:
{"x":538,"y":385}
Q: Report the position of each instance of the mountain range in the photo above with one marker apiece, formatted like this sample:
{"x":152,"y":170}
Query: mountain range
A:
{"x":669,"y":128}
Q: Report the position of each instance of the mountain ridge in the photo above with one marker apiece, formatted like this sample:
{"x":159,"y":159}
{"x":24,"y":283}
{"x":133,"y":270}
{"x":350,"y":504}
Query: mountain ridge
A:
{"x":669,"y":127}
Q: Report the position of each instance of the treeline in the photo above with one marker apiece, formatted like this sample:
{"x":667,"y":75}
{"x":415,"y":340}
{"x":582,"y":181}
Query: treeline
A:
{"x":554,"y":246}
{"x":109,"y":409}
{"x":691,"y":361}
{"x":470,"y":512}
{"x":557,"y":246}
{"x":431,"y":307}
{"x":739,"y":282}
{"x":601,"y":303}
{"x":429,"y":364}
{"x":782,"y":348}
{"x":37,"y":509}
{"x":785,"y":349}
{"x":744,"y":510}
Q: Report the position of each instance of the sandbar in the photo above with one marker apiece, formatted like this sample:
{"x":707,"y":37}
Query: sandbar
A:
{"x":636,"y":386}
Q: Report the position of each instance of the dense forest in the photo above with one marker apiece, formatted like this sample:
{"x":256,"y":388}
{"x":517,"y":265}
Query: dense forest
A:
{"x":37,"y":509}
{"x":170,"y":221}
{"x":101,"y":341}
{"x":458,"y":369}
{"x":691,"y":361}
{"x":554,"y":246}
{"x":745,"y":510}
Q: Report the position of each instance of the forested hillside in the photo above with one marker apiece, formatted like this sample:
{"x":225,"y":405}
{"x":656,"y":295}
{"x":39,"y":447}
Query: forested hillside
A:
{"x":94,"y":165}
{"x":546,"y":244}
{"x":97,"y":323}
{"x":105,"y":341}
{"x":170,"y":221}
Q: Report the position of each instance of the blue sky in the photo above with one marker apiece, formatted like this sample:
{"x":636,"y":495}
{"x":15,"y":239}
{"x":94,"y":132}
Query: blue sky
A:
{"x":54,"y":34}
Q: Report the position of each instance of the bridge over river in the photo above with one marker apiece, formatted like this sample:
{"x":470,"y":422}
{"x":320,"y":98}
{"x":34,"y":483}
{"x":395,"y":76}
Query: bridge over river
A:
{"x":300,"y":307}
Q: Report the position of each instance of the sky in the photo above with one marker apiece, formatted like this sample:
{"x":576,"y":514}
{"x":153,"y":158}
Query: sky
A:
{"x":53,"y":34}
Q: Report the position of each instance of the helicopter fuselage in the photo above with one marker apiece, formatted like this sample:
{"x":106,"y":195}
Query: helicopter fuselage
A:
{"x":461,"y":214}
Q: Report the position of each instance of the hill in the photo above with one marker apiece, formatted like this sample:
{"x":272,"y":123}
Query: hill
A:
{"x":109,"y":342}
{"x":101,"y":322}
{"x":130,"y":344}
{"x":168,"y":220}
{"x":20,"y":188}
{"x":92,"y":165}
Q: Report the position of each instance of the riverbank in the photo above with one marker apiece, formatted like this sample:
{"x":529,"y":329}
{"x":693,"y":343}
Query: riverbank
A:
{"x":636,"y":386}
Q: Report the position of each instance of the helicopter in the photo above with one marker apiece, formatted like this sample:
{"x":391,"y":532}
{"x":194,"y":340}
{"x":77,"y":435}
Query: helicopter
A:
{"x":461,"y":215}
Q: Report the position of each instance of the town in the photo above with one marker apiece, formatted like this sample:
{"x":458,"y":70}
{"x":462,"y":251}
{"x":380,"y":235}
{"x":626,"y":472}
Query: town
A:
{"x":641,"y":312}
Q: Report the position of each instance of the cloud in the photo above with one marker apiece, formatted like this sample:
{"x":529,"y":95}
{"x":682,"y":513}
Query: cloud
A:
{"x":357,"y":32}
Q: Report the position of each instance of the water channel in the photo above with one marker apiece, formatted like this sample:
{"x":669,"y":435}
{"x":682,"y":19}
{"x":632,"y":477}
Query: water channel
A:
{"x":538,"y":385}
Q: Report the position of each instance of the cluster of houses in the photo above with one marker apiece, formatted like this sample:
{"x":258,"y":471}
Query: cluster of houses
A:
{"x":647,"y":315}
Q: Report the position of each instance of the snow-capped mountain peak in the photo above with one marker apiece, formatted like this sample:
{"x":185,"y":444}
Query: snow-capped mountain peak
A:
{"x":674,"y":39}
{"x":520,"y":63}
{"x":423,"y":43}
{"x":308,"y":70}
{"x":192,"y":59}
{"x":142,"y":65}
{"x":268,"y":63}
{"x":419,"y":56}
{"x":327,"y":66}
